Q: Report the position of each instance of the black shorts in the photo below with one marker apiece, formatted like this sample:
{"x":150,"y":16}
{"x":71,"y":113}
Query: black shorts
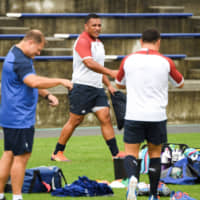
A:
{"x":137,"y":131}
{"x":84,"y":99}
{"x":19,"y":141}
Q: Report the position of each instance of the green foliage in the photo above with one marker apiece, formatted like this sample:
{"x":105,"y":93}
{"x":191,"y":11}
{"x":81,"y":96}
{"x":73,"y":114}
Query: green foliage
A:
{"x":90,"y":156}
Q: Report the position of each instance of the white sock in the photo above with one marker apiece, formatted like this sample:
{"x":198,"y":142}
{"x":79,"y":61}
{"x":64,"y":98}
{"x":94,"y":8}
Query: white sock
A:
{"x":1,"y":195}
{"x":17,"y":196}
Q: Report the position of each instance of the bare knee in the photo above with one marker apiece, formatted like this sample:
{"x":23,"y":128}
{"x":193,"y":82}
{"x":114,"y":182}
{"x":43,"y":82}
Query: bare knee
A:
{"x":104,"y":116}
{"x":22,"y":159}
{"x":75,"y":120}
{"x":7,"y":157}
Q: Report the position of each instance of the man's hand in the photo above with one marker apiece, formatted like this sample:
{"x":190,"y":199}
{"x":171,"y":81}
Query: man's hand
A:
{"x":67,"y":83}
{"x":53,"y":101}
{"x":111,"y":89}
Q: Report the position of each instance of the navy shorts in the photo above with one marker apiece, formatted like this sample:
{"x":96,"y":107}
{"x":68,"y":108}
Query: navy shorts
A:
{"x":83,"y":99}
{"x":19,"y":141}
{"x":137,"y":131}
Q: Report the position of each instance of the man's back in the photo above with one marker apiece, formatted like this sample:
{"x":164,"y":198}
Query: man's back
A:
{"x":146,"y":74}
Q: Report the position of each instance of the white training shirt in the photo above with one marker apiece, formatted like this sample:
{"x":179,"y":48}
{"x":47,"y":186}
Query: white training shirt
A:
{"x":86,"y":47}
{"x":146,"y":74}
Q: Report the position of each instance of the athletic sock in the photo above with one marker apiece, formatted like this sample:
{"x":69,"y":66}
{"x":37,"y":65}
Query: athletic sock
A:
{"x":59,"y":147}
{"x":112,"y":144}
{"x":17,"y":197}
{"x":154,"y":174}
{"x":131,"y":166}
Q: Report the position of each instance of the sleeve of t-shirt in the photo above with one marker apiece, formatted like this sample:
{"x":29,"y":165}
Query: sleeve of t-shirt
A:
{"x":175,"y":77}
{"x":83,"y":48}
{"x":22,"y":69}
{"x":120,"y":79}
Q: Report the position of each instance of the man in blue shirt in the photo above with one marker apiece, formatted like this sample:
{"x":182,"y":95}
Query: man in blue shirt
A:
{"x":20,"y":87}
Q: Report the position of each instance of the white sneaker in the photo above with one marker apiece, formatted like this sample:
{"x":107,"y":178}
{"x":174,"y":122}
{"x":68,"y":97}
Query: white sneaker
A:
{"x":131,"y":193}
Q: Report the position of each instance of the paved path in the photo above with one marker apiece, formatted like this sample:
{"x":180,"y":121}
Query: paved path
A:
{"x":55,"y":132}
{"x":189,"y":128}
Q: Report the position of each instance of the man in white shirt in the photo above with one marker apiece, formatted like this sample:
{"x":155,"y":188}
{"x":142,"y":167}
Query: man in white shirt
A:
{"x":88,"y":95}
{"x":145,"y":75}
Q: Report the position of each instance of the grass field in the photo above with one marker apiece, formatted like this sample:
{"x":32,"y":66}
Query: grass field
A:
{"x":91,"y":157}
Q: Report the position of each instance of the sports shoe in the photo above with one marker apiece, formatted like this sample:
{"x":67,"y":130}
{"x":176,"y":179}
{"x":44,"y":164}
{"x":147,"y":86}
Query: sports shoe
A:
{"x":121,"y":154}
{"x":180,"y":195}
{"x":163,"y":190}
{"x":131,"y":193}
{"x":152,"y":197}
{"x":143,"y":189}
{"x":59,"y":157}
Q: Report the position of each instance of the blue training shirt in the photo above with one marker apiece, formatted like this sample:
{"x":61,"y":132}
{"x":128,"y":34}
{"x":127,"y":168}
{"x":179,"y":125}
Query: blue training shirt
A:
{"x":18,"y":101}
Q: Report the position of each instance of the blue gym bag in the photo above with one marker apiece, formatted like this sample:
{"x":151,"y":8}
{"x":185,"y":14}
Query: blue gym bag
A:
{"x":184,"y":172}
{"x":41,"y":179}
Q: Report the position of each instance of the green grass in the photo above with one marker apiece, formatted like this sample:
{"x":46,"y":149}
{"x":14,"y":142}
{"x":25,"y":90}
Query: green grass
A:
{"x":91,"y":157}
